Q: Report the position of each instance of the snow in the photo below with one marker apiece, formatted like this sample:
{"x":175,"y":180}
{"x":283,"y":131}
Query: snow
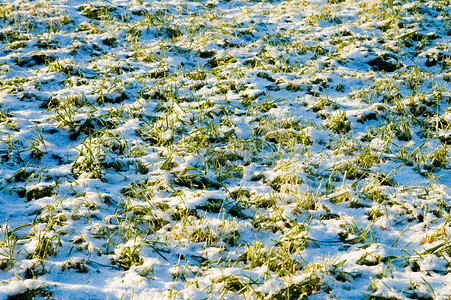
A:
{"x":156,"y":149}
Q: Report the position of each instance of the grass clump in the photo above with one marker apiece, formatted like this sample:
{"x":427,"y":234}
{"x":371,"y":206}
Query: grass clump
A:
{"x":338,"y":122}
{"x":277,"y":260}
{"x":301,"y":290}
{"x":29,"y":294}
{"x":128,"y":257}
{"x":366,"y":159}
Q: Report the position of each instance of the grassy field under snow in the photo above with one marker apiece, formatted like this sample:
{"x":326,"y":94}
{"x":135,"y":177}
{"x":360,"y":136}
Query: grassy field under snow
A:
{"x":225,"y":149}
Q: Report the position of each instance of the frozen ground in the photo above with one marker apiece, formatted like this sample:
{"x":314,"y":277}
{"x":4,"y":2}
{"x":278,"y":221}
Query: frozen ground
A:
{"x":225,"y":149}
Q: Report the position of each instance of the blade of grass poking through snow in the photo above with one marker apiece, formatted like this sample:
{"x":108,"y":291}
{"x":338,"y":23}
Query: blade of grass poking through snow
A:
{"x":432,"y":290}
{"x":395,"y":243}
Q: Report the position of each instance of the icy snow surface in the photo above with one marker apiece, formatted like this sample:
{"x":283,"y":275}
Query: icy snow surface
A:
{"x":225,"y":149}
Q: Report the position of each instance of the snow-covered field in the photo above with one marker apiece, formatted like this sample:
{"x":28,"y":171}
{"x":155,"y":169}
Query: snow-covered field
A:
{"x":225,"y":149}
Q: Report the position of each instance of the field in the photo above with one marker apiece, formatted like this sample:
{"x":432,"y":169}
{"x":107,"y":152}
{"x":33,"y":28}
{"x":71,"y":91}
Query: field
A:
{"x":225,"y":149}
